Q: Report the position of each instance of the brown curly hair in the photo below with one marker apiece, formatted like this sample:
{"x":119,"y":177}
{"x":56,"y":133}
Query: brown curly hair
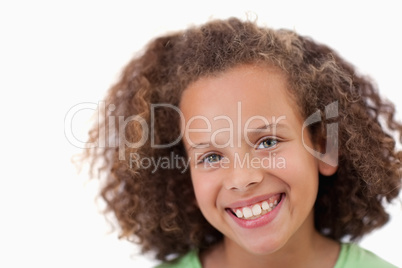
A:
{"x":158,"y":209}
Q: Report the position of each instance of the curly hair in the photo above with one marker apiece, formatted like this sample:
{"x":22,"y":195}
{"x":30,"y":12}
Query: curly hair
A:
{"x":158,"y":209}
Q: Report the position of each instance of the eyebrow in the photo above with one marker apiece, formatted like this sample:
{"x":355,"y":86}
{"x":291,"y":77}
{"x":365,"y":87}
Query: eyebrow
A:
{"x":198,"y":146}
{"x":268,"y":127}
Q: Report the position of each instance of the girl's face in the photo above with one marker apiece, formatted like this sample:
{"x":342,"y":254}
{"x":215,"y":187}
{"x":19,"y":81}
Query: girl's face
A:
{"x":254,"y":180}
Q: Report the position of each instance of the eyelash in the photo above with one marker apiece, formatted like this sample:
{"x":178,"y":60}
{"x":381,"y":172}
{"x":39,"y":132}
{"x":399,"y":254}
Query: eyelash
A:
{"x":275,"y":140}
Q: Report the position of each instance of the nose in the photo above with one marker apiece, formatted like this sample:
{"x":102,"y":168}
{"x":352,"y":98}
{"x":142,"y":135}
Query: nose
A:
{"x":243,"y":178}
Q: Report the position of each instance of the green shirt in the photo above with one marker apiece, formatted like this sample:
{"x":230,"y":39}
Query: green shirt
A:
{"x":350,"y":256}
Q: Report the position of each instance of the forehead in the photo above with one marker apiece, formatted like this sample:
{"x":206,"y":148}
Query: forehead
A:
{"x":244,"y":91}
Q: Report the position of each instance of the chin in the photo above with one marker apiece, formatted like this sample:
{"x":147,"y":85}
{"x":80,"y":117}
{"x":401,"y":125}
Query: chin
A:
{"x":264,"y":246}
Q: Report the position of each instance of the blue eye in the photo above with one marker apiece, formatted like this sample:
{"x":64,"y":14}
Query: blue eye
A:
{"x":267,"y":143}
{"x":211,"y":158}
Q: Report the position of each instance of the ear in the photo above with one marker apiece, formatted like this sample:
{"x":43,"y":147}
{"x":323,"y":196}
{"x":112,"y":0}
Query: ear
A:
{"x":326,"y":169}
{"x":328,"y":162}
{"x":196,"y":203}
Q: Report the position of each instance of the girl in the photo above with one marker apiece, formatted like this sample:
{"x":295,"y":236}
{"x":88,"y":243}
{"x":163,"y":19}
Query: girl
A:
{"x":241,"y":146}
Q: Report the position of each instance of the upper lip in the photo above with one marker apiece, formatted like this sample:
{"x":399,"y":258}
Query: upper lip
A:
{"x":251,"y":201}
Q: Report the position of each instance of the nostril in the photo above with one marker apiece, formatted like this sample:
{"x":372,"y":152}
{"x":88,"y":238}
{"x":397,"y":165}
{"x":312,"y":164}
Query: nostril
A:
{"x":241,"y":179}
{"x":251,"y":184}
{"x":238,"y":187}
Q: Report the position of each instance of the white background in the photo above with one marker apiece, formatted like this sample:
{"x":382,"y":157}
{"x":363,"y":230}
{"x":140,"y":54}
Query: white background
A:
{"x":55,"y":54}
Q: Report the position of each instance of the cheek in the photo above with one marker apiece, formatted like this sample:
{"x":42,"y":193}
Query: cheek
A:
{"x":301,"y":171}
{"x":204,"y":189}
{"x":206,"y":193}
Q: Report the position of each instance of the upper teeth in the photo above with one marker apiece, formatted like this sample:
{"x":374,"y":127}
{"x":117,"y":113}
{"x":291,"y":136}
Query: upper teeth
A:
{"x":256,"y":210}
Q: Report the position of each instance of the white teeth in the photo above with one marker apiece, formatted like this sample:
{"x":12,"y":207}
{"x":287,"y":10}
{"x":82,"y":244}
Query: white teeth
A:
{"x":247,"y":213}
{"x":256,"y":210}
{"x":239,"y":214}
{"x":265,"y":205}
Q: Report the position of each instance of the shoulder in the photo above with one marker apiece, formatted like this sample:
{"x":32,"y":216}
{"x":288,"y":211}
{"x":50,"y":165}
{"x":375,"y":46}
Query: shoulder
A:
{"x":190,"y":260}
{"x":353,"y":256}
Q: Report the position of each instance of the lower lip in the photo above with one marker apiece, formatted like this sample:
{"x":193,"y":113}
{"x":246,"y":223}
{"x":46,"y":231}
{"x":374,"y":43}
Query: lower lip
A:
{"x":261,"y":221}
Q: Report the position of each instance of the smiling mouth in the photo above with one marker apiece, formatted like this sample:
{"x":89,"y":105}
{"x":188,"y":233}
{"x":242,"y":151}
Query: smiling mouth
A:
{"x":257,"y":210}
